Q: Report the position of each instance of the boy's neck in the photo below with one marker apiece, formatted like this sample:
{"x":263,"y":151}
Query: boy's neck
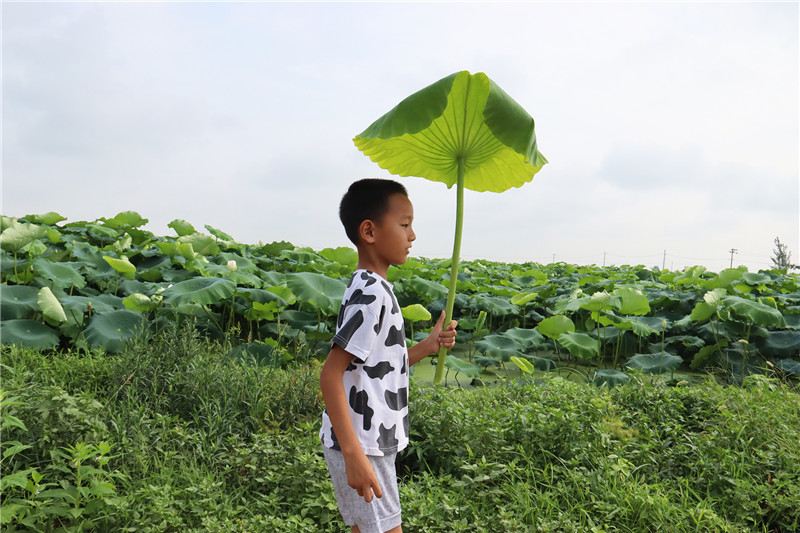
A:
{"x":372,"y":266}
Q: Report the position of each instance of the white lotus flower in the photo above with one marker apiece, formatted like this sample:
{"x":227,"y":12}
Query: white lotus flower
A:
{"x":232,"y":265}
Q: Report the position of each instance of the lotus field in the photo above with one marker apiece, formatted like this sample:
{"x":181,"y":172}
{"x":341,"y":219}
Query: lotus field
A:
{"x":99,"y":285}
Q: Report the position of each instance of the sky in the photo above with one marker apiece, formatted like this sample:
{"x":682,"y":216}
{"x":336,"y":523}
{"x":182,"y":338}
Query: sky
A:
{"x":672,"y":130}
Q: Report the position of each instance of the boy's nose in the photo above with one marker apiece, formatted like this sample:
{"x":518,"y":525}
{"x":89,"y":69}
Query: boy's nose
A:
{"x":413,"y":236}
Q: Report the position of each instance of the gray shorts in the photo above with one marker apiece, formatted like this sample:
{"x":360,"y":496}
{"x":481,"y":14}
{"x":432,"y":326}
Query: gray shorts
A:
{"x":381,"y":514}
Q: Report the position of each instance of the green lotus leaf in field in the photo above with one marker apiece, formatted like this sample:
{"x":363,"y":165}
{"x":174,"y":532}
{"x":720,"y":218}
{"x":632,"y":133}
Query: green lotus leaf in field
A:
{"x":219,"y":234}
{"x":524,"y":298}
{"x":756,"y":278}
{"x":321,"y":292}
{"x":300,"y":320}
{"x":598,"y":301}
{"x":342,"y":255}
{"x":125,"y":220}
{"x":28,"y":334}
{"x":540,"y":363}
{"x":427,"y":290}
{"x":634,"y":302}
{"x":527,"y":338}
{"x":263,"y":311}
{"x":784,"y":343}
{"x":281,"y":295}
{"x":122,"y":265}
{"x":486,"y":362}
{"x":51,"y":308}
{"x":759,"y":313}
{"x":51,"y":219}
{"x":554,"y":326}
{"x":203,"y":291}
{"x":654,"y":363}
{"x":789,"y":366}
{"x":493,"y":304}
{"x":499,"y":346}
{"x":112,"y":331}
{"x":724,"y":280}
{"x":609,"y":378}
{"x":580,"y":345}
{"x":415,"y":313}
{"x":18,"y":301}
{"x":201,"y":243}
{"x":61,"y":275}
{"x":18,"y":235}
{"x":177,"y":249}
{"x":523,"y":364}
{"x":182,"y":227}
{"x":141,"y":302}
{"x":465,"y":367}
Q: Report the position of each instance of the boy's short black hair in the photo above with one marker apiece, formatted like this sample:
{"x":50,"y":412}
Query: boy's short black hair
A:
{"x":366,"y":199}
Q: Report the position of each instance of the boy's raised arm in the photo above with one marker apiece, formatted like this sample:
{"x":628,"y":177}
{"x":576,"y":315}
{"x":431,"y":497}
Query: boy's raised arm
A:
{"x":360,"y":474}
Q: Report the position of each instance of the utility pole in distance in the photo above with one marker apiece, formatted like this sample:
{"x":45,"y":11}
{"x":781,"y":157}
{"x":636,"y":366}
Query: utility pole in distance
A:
{"x":664,"y":260}
{"x":733,"y":251}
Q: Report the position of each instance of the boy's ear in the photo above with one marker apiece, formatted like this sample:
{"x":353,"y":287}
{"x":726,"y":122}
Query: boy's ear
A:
{"x":366,"y":231}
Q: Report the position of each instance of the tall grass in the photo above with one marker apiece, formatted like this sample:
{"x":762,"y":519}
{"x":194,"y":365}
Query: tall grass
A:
{"x":181,"y":437}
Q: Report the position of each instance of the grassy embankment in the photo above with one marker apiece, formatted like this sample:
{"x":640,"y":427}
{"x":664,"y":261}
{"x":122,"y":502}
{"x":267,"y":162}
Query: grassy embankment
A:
{"x":171,"y":436}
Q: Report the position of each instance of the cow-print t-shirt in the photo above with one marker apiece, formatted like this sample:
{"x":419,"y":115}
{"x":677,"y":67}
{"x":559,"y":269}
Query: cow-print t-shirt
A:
{"x":370,"y":327}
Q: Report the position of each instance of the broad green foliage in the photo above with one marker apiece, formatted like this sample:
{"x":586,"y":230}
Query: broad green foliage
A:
{"x":68,"y":288}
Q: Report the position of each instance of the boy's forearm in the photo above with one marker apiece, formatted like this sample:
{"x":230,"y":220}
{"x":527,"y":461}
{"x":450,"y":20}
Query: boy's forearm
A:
{"x":421,"y":350}
{"x":334,"y":396}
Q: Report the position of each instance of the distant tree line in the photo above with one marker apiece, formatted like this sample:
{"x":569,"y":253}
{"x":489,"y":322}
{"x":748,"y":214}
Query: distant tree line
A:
{"x":782,"y":257}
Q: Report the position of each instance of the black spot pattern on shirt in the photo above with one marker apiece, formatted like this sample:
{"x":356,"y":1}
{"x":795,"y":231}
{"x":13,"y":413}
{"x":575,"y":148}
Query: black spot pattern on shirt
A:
{"x":395,"y":337}
{"x":358,"y":297}
{"x":379,"y":325}
{"x":388,"y":289}
{"x":405,"y":424}
{"x":396,"y":400}
{"x":386,"y":438}
{"x":405,"y":367}
{"x":346,"y":331}
{"x":359,"y":402}
{"x":335,"y":441}
{"x":378,"y":371}
{"x":369,"y":277}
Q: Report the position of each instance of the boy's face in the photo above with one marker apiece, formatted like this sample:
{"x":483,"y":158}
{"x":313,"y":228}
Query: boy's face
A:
{"x":393,"y":234}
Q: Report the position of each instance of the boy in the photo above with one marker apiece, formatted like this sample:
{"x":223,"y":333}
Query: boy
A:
{"x":364,"y":380}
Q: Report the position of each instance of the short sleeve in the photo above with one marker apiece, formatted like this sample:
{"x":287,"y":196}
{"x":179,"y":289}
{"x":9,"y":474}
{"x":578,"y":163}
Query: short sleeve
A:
{"x":358,"y":329}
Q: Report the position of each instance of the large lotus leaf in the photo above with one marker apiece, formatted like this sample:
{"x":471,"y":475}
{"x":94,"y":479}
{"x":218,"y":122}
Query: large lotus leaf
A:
{"x":178,"y":249}
{"x":599,"y":301}
{"x":112,"y":331}
{"x":654,"y":363}
{"x":427,"y":290}
{"x":204,"y":291}
{"x":281,"y":295}
{"x":181,"y":227}
{"x":300,"y":319}
{"x":523,"y":364}
{"x":141,"y":302}
{"x":262,"y":311}
{"x":51,"y":308}
{"x":759,"y":313}
{"x":493,"y":304}
{"x":540,"y":363}
{"x":484,"y":361}
{"x":219,"y":234}
{"x":320,"y":291}
{"x":756,"y":278}
{"x":554,"y":326}
{"x":243,"y":264}
{"x":460,"y":116}
{"x":465,"y":367}
{"x":76,"y":306}
{"x":609,"y":378}
{"x":499,"y":346}
{"x":579,"y":344}
{"x":51,"y":218}
{"x":18,"y":235}
{"x":18,"y":301}
{"x":528,"y":338}
{"x":415,"y":313}
{"x":524,"y":298}
{"x":126,"y":220}
{"x":28,"y":333}
{"x":201,"y":243}
{"x":343,"y":255}
{"x":784,"y":343}
{"x":122,"y":265}
{"x":789,"y":366}
{"x":61,"y":275}
{"x":634,"y":302}
{"x":724,"y":279}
